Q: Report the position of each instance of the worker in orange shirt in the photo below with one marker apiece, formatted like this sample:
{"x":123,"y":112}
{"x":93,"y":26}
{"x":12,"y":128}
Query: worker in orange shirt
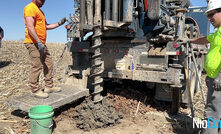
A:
{"x":35,"y":41}
{"x":1,"y":37}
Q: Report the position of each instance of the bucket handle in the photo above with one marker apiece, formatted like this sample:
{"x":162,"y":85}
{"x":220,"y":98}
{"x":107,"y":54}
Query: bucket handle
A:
{"x":44,"y":126}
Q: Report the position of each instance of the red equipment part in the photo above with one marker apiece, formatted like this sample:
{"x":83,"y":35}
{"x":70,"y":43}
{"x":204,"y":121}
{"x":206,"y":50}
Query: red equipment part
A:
{"x":146,"y":5}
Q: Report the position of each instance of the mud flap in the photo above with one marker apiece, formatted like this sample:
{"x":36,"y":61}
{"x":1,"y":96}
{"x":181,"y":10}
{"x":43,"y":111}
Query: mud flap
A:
{"x":154,"y":9}
{"x":175,"y":101}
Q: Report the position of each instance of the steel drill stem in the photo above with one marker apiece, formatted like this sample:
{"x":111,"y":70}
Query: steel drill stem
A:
{"x":197,"y":74}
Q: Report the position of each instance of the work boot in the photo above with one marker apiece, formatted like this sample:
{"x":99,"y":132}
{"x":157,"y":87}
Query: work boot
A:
{"x":52,"y":89}
{"x":40,"y":94}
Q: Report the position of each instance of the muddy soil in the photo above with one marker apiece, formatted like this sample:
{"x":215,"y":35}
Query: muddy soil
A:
{"x":90,"y":115}
{"x":141,"y":112}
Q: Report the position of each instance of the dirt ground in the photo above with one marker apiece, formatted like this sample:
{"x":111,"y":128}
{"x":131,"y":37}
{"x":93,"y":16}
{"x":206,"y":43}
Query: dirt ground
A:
{"x":151,"y":117}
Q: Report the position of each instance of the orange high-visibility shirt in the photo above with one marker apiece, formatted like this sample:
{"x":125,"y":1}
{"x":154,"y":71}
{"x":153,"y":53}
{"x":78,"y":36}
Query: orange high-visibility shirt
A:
{"x":31,"y":10}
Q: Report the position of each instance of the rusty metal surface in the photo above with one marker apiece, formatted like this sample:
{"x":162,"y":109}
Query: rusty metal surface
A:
{"x":172,"y":76}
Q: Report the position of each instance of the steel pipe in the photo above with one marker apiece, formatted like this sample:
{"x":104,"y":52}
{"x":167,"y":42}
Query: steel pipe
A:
{"x":90,"y":12}
{"x":128,"y":10}
{"x":82,"y":12}
{"x":107,"y":9}
{"x":115,"y":10}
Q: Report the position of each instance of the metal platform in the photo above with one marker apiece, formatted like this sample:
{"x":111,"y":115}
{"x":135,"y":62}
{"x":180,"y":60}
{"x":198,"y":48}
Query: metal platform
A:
{"x":56,"y":100}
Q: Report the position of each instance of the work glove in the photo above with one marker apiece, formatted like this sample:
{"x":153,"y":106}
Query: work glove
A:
{"x":41,"y":47}
{"x":62,"y":21}
{"x":217,"y":83}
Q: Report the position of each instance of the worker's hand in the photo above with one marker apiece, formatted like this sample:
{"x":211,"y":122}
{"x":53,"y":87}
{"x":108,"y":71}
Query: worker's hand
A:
{"x":217,"y":83}
{"x":0,"y":37}
{"x":62,"y":21}
{"x":41,"y":47}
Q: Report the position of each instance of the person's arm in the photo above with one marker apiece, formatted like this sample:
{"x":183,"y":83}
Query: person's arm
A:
{"x":200,"y":40}
{"x":53,"y":26}
{"x":31,"y":29}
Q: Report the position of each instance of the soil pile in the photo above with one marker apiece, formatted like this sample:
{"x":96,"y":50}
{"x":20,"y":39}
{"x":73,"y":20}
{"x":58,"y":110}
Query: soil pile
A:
{"x":90,"y":115}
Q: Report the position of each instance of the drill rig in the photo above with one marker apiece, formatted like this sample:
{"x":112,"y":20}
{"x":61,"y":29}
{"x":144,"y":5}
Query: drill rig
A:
{"x":130,"y":40}
{"x":137,"y":40}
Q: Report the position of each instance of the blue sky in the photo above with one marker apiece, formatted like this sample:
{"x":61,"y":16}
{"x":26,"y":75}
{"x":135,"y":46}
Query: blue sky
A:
{"x":12,"y":21}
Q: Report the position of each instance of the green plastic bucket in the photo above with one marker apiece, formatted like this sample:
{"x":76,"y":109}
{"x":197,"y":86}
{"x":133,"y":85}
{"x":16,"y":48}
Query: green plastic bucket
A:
{"x":41,"y":119}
